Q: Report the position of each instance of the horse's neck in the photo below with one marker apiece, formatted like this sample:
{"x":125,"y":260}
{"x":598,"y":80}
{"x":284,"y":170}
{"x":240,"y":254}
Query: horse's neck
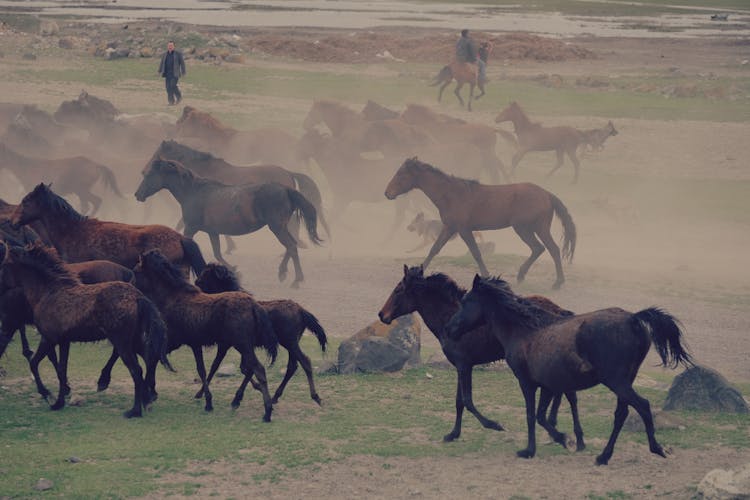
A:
{"x":182,"y":189}
{"x":438,"y":187}
{"x":60,"y":228}
{"x":436,"y":312}
{"x":33,"y":286}
{"x":522,"y":123}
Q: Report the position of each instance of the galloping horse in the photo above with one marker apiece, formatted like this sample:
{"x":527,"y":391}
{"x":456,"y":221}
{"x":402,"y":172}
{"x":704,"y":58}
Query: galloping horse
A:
{"x":217,"y":208}
{"x":75,"y":175}
{"x":571,"y":354}
{"x":466,"y":206}
{"x":534,"y":137}
{"x":463,"y":73}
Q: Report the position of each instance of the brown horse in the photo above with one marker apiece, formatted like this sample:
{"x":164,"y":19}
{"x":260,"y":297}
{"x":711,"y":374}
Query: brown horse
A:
{"x":78,"y":238}
{"x":289,"y":320}
{"x":76,"y":175}
{"x":217,"y":208}
{"x":463,"y":73}
{"x":436,"y":298}
{"x":572,"y":354}
{"x":449,"y":130}
{"x":467,"y":206}
{"x":535,"y":137}
{"x":269,"y":145}
{"x":197,"y":319}
{"x":65,"y":311}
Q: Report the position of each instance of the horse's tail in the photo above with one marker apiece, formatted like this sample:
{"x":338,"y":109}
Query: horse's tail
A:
{"x":266,"y":335}
{"x":152,"y":324}
{"x":306,"y":185}
{"x":193,"y":255}
{"x":442,"y":76}
{"x":508,"y":137}
{"x":569,"y":228}
{"x":665,"y":335}
{"x":312,"y":324}
{"x":109,"y":179}
{"x":309,"y":214}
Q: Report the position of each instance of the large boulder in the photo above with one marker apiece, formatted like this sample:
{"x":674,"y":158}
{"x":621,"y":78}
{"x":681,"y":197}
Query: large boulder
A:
{"x":720,"y":484}
{"x":382,"y":348}
{"x":704,"y":389}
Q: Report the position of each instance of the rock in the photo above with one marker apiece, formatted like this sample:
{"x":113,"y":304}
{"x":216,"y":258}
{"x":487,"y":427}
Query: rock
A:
{"x":28,"y":56}
{"x":66,"y":43}
{"x":235,"y":58}
{"x":73,"y":460}
{"x":720,"y":484}
{"x":382,"y":348}
{"x":662,"y":421}
{"x":327,"y":368}
{"x":439,"y":361}
{"x":704,"y":389}
{"x":43,"y":485}
{"x":48,"y":28}
{"x":226,"y":370}
{"x":146,"y":52}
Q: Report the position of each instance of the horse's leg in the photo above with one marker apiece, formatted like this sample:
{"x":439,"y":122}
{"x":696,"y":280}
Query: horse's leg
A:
{"x":445,"y":235}
{"x":130,"y":360}
{"x":294,"y":228}
{"x":41,"y":352}
{"x":529,"y":395}
{"x":251,"y":366}
{"x":62,"y":376}
{"x":558,"y":164}
{"x":465,"y":379}
{"x":554,"y":251}
{"x":442,"y":87}
{"x":457,"y":91}
{"x":216,"y":247}
{"x":541,"y":417}
{"x":572,"y":398}
{"x":291,"y":368}
{"x":537,"y":249}
{"x":471,"y":96}
{"x":621,"y":413}
{"x":286,"y":239}
{"x":198,"y":355}
{"x":642,"y":406}
{"x":576,"y":163}
{"x":106,"y":376}
{"x":456,"y":431}
{"x":221,"y":352}
{"x":481,"y":90}
{"x":468,"y":238}
{"x":241,"y":391}
{"x":554,"y":410}
{"x":231,"y":246}
{"x":306,"y":364}
{"x":25,"y":348}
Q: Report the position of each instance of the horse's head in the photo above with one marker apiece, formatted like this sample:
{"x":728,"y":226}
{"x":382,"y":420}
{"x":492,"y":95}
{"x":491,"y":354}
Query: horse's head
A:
{"x":217,"y":278}
{"x":404,"y":180}
{"x":154,"y":272}
{"x":470,"y":314}
{"x":402,"y":299}
{"x":160,"y":173}
{"x":32,"y":206}
{"x":509,"y":113}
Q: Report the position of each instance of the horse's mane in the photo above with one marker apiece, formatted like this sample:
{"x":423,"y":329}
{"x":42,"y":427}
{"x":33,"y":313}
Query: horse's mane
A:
{"x":512,"y":307}
{"x":415,"y":162}
{"x":442,"y":284}
{"x":55,"y":203}
{"x":187,"y":151}
{"x":221,"y":274}
{"x":184,"y":173}
{"x":156,"y":263}
{"x":45,"y":260}
{"x":532,"y":123}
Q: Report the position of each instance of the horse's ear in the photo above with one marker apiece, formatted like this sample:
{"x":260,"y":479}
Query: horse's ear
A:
{"x":406,"y":269}
{"x":420,"y":270}
{"x":222,"y":272}
{"x":476,"y":281}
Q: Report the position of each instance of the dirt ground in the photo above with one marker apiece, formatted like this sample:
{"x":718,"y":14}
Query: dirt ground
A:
{"x":626,"y":258}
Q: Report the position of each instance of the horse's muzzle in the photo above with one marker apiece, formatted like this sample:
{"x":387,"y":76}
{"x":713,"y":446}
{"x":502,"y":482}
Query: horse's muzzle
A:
{"x":385,"y":319}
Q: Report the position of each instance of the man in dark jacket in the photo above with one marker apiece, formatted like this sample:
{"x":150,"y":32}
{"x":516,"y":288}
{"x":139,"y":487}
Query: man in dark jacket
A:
{"x":466,"y":51}
{"x":172,"y":67}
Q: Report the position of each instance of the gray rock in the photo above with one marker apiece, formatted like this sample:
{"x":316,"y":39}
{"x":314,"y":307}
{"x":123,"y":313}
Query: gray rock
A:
{"x":721,"y":484}
{"x":28,"y":56}
{"x":66,"y":43}
{"x":662,"y":421}
{"x":48,"y":28}
{"x":74,"y":460}
{"x":226,"y":370}
{"x":43,"y":485}
{"x":379,"y":347}
{"x":327,"y":368}
{"x":704,"y":389}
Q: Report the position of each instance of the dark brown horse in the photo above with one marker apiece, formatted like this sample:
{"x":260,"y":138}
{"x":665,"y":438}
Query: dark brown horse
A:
{"x":209,"y":166}
{"x":65,"y":311}
{"x":601,"y":347}
{"x":217,"y":208}
{"x":289,"y":320}
{"x":466,"y":206}
{"x":197,"y":319}
{"x":535,"y":137}
{"x":463,"y":73}
{"x":436,"y":298}
{"x":78,"y":238}
{"x":76,"y":175}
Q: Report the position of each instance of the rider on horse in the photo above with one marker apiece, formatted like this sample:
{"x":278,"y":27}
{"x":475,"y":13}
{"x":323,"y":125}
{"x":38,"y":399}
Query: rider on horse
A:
{"x":466,"y":51}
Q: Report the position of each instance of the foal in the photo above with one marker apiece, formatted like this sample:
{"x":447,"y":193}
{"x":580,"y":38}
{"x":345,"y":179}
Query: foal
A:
{"x":289,"y":320}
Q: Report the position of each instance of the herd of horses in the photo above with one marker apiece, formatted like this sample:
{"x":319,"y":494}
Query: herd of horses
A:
{"x":80,"y":279}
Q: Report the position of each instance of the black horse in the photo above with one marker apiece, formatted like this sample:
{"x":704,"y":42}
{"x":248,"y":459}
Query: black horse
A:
{"x":601,"y":347}
{"x":436,"y":298}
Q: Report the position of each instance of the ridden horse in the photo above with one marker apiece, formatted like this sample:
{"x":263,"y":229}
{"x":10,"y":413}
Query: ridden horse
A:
{"x":289,"y":321}
{"x":601,"y":347}
{"x":76,"y":175}
{"x":197,"y":319}
{"x":436,"y":298}
{"x":207,"y":165}
{"x":269,"y":145}
{"x":466,"y":206}
{"x":533,"y":136}
{"x":78,"y":238}
{"x":449,"y":130}
{"x":65,"y":311}
{"x":463,"y":73}
{"x":217,"y":208}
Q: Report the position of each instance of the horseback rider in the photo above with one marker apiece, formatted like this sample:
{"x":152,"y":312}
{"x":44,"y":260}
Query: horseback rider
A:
{"x":466,"y":51}
{"x":484,"y":53}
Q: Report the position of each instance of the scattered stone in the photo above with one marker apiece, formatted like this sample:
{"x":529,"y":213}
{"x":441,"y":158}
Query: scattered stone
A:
{"x":428,"y":375}
{"x":327,"y":368}
{"x":701,"y":388}
{"x":235,"y":58}
{"x":73,"y":460}
{"x":662,"y":421}
{"x":43,"y":485}
{"x":28,"y":56}
{"x":66,"y":43}
{"x":48,"y":28}
{"x":388,"y":56}
{"x":227,"y":370}
{"x":720,"y":484}
{"x":380,"y":347}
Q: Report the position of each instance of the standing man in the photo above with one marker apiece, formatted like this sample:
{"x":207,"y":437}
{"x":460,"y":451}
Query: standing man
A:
{"x":172,"y":67}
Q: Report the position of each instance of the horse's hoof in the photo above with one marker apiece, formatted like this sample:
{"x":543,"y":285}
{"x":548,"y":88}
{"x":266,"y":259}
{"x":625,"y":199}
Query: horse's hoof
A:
{"x":66,"y":390}
{"x":448,"y":438}
{"x":132,"y":413}
{"x":296,"y":284}
{"x":58,"y":405}
{"x":602,"y":460}
{"x":580,"y":446}
{"x":317,"y":399}
{"x":235,"y":404}
{"x":658,"y":450}
{"x":495,"y":426}
{"x":561,"y":439}
{"x":267,"y":416}
{"x":527,"y":453}
{"x":102,"y":385}
{"x":558,"y":285}
{"x":209,"y":408}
